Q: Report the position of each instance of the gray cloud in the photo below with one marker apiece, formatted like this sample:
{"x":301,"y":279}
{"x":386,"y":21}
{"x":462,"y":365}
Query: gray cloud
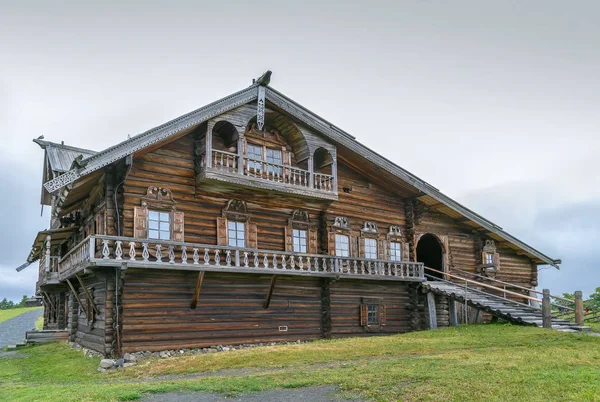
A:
{"x":494,"y":103}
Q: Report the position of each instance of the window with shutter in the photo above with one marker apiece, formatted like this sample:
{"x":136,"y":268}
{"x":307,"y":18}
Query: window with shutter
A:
{"x":178,"y":227}
{"x":140,"y":222}
{"x":252,"y":235}
{"x":222,"y":232}
{"x":289,"y":242}
{"x":372,"y":314}
{"x":313,"y":241}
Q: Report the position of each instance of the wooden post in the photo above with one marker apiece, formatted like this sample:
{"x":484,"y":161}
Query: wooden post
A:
{"x":311,"y":172}
{"x":432,"y":313}
{"x":48,"y":252}
{"x":334,"y":173}
{"x":208,"y":159}
{"x":197,"y":291}
{"x":270,"y":294}
{"x":546,"y":312}
{"x":452,"y":312}
{"x":77,"y":298}
{"x":88,"y":296}
{"x":578,"y":307}
{"x":240,"y":152}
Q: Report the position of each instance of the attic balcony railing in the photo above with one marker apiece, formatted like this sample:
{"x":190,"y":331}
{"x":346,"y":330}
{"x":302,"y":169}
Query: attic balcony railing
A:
{"x":273,"y":172}
{"x":149,"y":253}
{"x":48,"y":268}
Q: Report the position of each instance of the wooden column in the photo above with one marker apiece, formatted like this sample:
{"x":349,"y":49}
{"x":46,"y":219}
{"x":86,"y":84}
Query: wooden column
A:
{"x":432,"y":312}
{"x":579,"y":307}
{"x":452,"y":312}
{"x":48,"y":253}
{"x":311,"y":173}
{"x":240,"y":152}
{"x":546,"y":312}
{"x":334,"y":174}
{"x":197,"y":290}
{"x":208,"y":159}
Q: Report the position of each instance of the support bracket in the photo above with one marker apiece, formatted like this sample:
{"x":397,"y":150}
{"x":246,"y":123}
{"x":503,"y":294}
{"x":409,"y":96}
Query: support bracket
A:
{"x":270,"y":294}
{"x":77,"y":298}
{"x":197,"y":291}
{"x":88,"y":296}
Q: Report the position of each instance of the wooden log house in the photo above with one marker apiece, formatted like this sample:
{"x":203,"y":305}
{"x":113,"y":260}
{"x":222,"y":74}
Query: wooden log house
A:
{"x":251,"y":219}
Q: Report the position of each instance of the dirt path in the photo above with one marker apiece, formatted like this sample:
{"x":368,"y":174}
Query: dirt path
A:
{"x":307,"y":394}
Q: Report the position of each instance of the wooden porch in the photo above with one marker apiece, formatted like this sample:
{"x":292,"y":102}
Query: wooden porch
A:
{"x":115,"y":251}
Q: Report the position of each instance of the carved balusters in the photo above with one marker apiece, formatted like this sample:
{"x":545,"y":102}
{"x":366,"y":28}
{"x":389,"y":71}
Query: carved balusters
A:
{"x":145,"y":252}
{"x":265,"y":261}
{"x":283,"y":262}
{"x":158,"y":253}
{"x":132,"y":252}
{"x":195,"y":256}
{"x":206,"y":257}
{"x":228,"y":258}
{"x":118,"y":250}
{"x":105,"y":250}
{"x":184,"y":256}
{"x":246,"y":260}
{"x":217,"y":257}
{"x":255,"y":259}
{"x":171,"y":254}
{"x":292,"y":262}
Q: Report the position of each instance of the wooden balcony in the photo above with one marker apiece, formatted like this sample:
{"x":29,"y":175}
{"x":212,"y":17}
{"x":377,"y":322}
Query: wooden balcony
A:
{"x":115,"y":251}
{"x":242,"y":170}
{"x":47,"y":271}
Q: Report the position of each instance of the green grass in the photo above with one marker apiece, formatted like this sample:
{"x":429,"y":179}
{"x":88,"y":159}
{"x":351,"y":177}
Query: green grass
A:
{"x":11,"y":313}
{"x":480,"y":362}
{"x":39,"y":323}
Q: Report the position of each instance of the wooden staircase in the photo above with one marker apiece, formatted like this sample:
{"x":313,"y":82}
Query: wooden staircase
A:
{"x":498,"y":306}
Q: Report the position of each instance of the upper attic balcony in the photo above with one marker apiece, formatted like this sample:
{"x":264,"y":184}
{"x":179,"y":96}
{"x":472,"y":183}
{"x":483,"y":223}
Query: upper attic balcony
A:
{"x":280,"y":157}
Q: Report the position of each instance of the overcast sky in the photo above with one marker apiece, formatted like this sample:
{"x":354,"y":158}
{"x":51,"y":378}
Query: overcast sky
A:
{"x":494,"y":103}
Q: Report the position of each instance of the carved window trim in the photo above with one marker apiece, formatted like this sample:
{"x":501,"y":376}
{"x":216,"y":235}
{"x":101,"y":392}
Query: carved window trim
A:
{"x":490,"y":259}
{"x":158,"y":199}
{"x":370,"y":303}
{"x":236,"y":210}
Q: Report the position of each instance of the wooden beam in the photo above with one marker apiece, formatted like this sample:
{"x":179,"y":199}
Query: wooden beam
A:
{"x":432,"y":312}
{"x":88,"y":296}
{"x":197,"y":291}
{"x":77,"y":297}
{"x":48,"y":300}
{"x":270,"y":294}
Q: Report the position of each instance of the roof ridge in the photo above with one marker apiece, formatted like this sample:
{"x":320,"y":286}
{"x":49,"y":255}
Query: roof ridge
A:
{"x":44,"y":144}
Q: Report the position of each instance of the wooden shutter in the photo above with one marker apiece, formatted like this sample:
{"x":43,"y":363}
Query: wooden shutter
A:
{"x":331,"y":243}
{"x":361,"y":247}
{"x":364,"y":314}
{"x":289,"y":247}
{"x":140,"y":222}
{"x":382,"y":314}
{"x":382,"y":249}
{"x":354,"y":246}
{"x":313,"y":241}
{"x":221,"y":231}
{"x":252,"y":235}
{"x":405,"y":251}
{"x":497,"y":261}
{"x":178,"y":234}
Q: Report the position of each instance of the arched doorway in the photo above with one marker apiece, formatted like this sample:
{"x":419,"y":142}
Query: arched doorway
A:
{"x":430,"y":253}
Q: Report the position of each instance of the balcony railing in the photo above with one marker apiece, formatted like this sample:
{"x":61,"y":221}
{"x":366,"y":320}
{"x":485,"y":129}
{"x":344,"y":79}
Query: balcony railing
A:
{"x":114,"y":251}
{"x":228,"y":162}
{"x":48,"y":269}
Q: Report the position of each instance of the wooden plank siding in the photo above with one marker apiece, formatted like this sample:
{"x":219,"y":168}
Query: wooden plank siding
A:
{"x":157,"y":313}
{"x":99,"y":335}
{"x":346,"y":298}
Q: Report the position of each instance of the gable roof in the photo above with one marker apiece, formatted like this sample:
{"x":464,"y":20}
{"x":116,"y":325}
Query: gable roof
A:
{"x":162,"y":132}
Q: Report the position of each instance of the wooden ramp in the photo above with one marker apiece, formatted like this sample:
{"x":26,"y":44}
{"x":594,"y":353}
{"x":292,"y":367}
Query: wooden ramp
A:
{"x":498,"y":306}
{"x":47,"y":335}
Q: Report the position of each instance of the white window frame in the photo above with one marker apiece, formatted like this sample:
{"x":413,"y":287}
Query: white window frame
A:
{"x":489,"y":258}
{"x":373,"y":314}
{"x":236,"y":233}
{"x":299,"y":240}
{"x":162,"y":224}
{"x":252,"y":164}
{"x":370,"y":248}
{"x":342,"y":245}
{"x":395,"y":251}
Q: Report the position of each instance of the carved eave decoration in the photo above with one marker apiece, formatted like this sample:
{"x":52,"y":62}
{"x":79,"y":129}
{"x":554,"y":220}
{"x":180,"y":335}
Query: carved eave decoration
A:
{"x":369,"y":230}
{"x":266,"y":136}
{"x":236,"y":210}
{"x":299,"y":220}
{"x":395,"y":233}
{"x":490,"y":247}
{"x":159,"y":198}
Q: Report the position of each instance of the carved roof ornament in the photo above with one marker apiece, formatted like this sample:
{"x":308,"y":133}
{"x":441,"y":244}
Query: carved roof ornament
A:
{"x":260,"y":107}
{"x":370,"y":227}
{"x":490,"y":246}
{"x":395,"y":231}
{"x":341,"y":222}
{"x":158,"y":197}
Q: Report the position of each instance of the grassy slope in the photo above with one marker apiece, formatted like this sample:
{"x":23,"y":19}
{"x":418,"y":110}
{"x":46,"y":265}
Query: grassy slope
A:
{"x":8,"y":314}
{"x":481,"y":362}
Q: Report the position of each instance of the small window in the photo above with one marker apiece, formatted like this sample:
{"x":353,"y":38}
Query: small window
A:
{"x":395,"y":251}
{"x":342,"y":246}
{"x":371,"y":249}
{"x":255,"y":152}
{"x":372,"y":314}
{"x":236,"y":233}
{"x":299,"y":241}
{"x":159,"y":225}
{"x":489,"y":258}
